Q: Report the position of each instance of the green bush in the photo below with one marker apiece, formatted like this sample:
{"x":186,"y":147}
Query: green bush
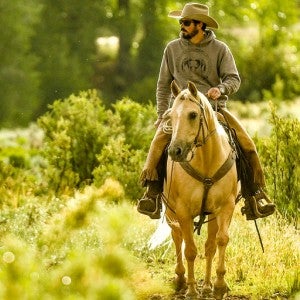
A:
{"x":117,"y":160}
{"x":85,"y":141}
{"x":67,"y":250}
{"x":16,"y":184}
{"x":76,"y":129}
{"x":138,"y":121}
{"x":262,"y":74}
{"x":123,"y":158}
{"x":280,"y":156}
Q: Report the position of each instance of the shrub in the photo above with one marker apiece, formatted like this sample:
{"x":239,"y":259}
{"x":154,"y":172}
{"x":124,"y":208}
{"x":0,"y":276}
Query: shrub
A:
{"x":117,"y":160}
{"x":84,"y":140}
{"x":122,"y":158}
{"x":268,"y":76}
{"x":280,"y":156}
{"x":138,"y":121}
{"x":76,"y":129}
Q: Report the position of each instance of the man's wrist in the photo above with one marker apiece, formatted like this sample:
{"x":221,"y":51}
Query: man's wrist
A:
{"x":222,"y":89}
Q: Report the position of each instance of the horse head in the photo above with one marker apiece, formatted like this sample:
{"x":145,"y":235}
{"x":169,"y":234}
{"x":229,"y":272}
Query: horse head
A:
{"x":186,"y":118}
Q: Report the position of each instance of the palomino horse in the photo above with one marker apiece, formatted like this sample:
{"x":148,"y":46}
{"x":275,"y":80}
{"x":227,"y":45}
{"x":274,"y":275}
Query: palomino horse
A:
{"x":201,"y":178}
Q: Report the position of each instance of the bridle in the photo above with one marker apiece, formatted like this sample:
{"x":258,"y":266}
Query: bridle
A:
{"x":203,"y":129}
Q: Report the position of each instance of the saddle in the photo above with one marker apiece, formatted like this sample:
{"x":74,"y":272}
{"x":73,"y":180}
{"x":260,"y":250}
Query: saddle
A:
{"x":253,"y":196}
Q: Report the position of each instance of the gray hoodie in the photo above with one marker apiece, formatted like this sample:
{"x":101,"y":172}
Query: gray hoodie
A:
{"x":208,"y":64}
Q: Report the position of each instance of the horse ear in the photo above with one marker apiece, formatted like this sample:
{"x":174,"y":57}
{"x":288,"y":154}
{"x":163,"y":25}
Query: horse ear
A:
{"x":192,"y":88}
{"x":175,"y":88}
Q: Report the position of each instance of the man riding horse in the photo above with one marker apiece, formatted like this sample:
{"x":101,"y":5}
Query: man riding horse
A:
{"x":199,"y":57}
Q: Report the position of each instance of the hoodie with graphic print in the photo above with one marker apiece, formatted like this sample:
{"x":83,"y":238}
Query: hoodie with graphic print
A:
{"x":208,"y":64}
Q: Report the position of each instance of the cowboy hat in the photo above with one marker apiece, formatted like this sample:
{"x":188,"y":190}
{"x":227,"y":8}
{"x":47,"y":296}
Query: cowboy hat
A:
{"x":195,"y":11}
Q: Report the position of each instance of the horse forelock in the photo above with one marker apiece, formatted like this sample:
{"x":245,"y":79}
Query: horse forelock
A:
{"x":201,"y":100}
{"x":187,"y":95}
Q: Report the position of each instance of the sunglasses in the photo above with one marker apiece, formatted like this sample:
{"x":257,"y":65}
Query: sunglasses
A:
{"x":186,"y":23}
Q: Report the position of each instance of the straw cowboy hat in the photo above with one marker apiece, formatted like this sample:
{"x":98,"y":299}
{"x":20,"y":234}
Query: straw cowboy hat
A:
{"x":195,"y":11}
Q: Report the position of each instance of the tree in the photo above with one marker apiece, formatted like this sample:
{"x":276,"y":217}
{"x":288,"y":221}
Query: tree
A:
{"x":271,"y":54}
{"x":19,"y":79}
{"x":65,"y":43}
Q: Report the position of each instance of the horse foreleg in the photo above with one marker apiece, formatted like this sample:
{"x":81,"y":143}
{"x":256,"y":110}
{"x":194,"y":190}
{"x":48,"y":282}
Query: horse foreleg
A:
{"x":210,"y":251}
{"x":190,"y":253}
{"x":222,"y":239}
{"x":180,"y":280}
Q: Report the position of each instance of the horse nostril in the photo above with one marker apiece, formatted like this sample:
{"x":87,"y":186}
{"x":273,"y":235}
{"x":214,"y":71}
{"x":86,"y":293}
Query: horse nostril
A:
{"x":178,"y":151}
{"x":175,"y":152}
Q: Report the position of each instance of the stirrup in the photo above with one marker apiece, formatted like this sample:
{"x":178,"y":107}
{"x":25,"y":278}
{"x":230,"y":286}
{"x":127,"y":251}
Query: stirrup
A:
{"x":157,"y":201}
{"x":253,"y":210}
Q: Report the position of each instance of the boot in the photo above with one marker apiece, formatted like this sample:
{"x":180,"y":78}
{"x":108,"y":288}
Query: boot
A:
{"x":257,"y":203}
{"x":150,"y":203}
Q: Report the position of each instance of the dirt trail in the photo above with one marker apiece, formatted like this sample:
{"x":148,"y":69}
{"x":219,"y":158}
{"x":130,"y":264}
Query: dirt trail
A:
{"x":230,"y":297}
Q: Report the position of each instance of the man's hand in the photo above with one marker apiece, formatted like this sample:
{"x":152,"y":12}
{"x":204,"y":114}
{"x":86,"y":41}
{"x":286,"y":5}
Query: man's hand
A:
{"x":213,"y":93}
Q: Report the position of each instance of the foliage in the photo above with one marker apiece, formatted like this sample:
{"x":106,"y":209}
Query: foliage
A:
{"x":93,"y":244}
{"x":61,"y":256}
{"x":117,"y":160}
{"x":122,"y":158}
{"x":19,"y":79}
{"x":85,"y":141}
{"x":64,"y":42}
{"x":20,"y":165}
{"x":86,"y":247}
{"x":279,"y":154}
{"x":76,"y":130}
{"x":49,"y":49}
{"x":138,"y":121}
{"x":263,"y":72}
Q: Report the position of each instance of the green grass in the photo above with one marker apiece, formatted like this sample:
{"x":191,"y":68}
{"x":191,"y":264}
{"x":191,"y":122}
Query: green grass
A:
{"x":250,"y":272}
{"x":91,"y":247}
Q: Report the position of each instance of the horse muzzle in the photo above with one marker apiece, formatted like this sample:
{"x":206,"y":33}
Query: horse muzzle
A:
{"x":179,"y":151}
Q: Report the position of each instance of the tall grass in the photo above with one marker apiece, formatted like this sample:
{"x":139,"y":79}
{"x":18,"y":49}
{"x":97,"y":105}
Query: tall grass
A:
{"x":250,"y":272}
{"x":89,"y":247}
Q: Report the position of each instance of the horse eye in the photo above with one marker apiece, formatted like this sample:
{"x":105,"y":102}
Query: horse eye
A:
{"x":193,"y":115}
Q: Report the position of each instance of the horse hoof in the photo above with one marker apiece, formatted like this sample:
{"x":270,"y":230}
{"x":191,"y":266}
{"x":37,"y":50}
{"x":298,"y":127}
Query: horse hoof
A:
{"x":220,"y":292}
{"x":207,"y":294}
{"x":180,"y":284}
{"x":192,"y":296}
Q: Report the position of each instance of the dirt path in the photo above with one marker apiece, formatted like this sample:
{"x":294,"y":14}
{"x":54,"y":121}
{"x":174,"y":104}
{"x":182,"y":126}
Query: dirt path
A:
{"x":181,"y":296}
{"x":230,"y":297}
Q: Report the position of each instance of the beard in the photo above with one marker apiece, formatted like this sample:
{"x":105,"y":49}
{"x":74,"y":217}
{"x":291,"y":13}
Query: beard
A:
{"x":187,"y":35}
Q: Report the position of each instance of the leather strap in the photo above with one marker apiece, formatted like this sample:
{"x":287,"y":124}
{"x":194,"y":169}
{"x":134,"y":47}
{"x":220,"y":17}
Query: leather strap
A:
{"x":218,"y":175}
{"x":208,"y":182}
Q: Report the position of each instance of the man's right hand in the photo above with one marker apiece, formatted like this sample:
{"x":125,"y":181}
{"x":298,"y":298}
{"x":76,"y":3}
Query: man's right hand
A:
{"x":213,"y":93}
